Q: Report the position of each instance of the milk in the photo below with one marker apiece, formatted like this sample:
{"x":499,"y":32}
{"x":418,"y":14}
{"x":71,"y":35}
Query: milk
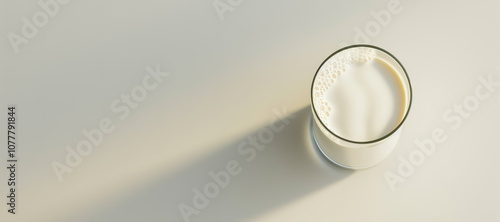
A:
{"x":359,"y":96}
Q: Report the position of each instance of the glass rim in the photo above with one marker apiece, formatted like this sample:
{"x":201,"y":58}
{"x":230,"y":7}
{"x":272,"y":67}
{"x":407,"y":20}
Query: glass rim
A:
{"x":409,"y":90}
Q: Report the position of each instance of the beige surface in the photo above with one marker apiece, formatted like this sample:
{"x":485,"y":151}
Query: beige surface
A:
{"x":226,"y":78}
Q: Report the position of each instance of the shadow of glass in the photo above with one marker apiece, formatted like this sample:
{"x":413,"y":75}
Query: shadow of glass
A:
{"x":288,"y":168}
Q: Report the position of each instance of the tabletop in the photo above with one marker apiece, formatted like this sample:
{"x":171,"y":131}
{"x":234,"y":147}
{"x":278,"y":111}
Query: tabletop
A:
{"x":200,"y":111}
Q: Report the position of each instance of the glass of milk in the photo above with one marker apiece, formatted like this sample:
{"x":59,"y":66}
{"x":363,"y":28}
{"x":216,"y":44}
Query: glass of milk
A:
{"x":360,"y":98}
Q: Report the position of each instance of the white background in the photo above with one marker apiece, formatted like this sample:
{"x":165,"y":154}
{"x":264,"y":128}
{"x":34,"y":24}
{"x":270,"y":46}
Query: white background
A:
{"x":226,"y":78}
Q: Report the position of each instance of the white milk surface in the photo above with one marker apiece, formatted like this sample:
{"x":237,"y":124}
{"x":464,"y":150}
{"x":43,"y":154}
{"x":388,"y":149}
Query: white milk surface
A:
{"x":367,"y":101}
